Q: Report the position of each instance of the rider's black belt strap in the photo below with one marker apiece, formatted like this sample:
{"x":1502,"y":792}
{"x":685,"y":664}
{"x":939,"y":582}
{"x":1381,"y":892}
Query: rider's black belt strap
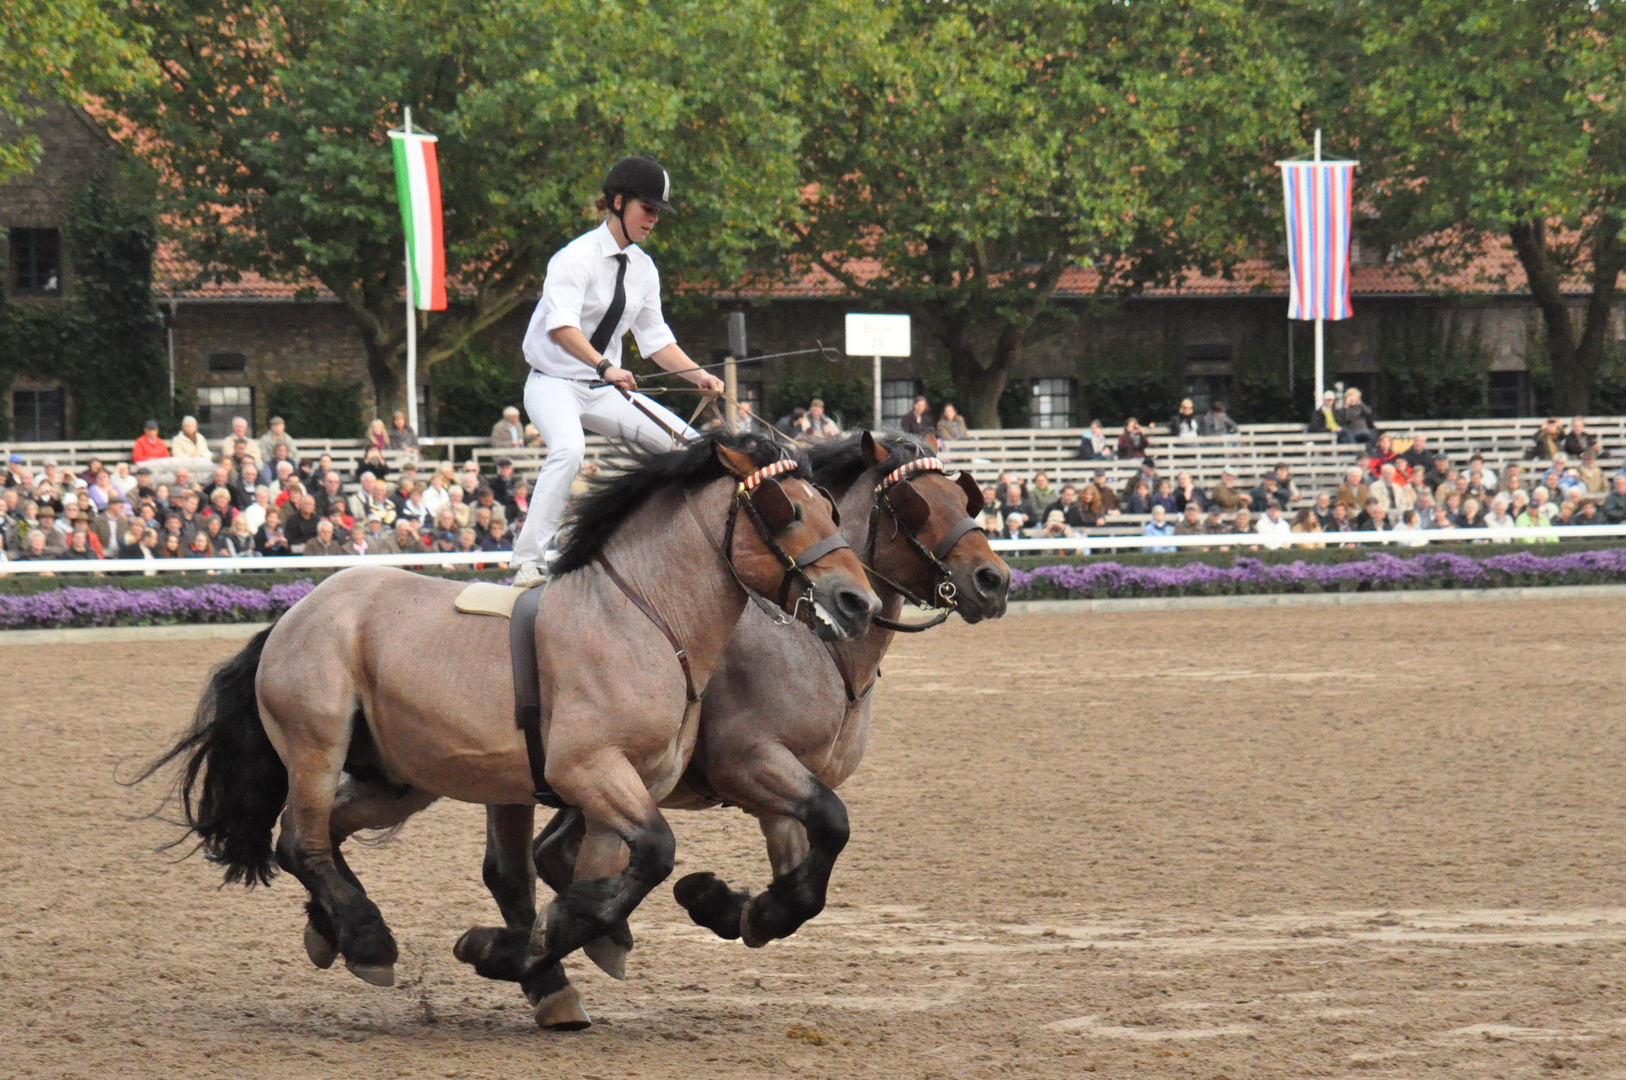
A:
{"x":528,"y":692}
{"x":660,"y":624}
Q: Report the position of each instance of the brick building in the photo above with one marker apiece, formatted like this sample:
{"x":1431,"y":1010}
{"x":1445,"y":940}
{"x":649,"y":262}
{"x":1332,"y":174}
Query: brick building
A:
{"x":229,"y":343}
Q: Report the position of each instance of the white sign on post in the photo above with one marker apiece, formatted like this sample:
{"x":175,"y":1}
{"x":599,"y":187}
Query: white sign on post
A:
{"x":877,"y":336}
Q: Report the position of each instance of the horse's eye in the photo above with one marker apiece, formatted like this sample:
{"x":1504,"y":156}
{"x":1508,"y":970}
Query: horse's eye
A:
{"x":797,"y":516}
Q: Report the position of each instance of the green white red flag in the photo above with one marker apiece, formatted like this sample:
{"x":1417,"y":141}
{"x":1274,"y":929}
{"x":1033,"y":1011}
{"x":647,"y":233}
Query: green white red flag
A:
{"x":417,"y":185}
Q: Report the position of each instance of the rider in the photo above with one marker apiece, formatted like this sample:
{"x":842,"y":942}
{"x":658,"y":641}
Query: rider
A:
{"x":598,"y":286}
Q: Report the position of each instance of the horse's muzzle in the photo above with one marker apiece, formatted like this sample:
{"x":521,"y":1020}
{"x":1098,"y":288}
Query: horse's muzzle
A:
{"x":841,"y":611}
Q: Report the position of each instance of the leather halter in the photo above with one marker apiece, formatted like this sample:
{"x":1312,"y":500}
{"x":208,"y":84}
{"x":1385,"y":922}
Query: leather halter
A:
{"x":943,"y":592}
{"x":795,"y":569}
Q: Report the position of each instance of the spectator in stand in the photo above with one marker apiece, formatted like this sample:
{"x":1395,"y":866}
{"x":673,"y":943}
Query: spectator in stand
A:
{"x":16,"y":475}
{"x":1589,"y":514}
{"x":1591,"y":477}
{"x":1326,"y":417}
{"x":323,"y":542}
{"x":239,"y":542}
{"x":1305,"y":521}
{"x":435,"y":498}
{"x":1511,"y":480}
{"x":1191,"y":521}
{"x":239,"y":433}
{"x":1094,"y":446}
{"x":1339,"y":520}
{"x":1383,"y":453}
{"x":132,"y":548}
{"x":34,"y":548}
{"x":1322,"y":509}
{"x":1532,"y":517}
{"x":408,"y":540}
{"x":1215,"y":524}
{"x":1040,"y":493}
{"x":1014,"y":501}
{"x":1578,"y":440}
{"x":1087,"y":512}
{"x":1159,"y":526}
{"x":1548,"y":441}
{"x":170,"y":546}
{"x":1542,"y":503}
{"x":467,"y":540}
{"x":1389,"y":491}
{"x":915,"y":421}
{"x":508,"y":433}
{"x":1186,"y":492}
{"x":950,"y":426}
{"x":220,"y":508}
{"x":413,"y":510}
{"x":200,"y":548}
{"x":1418,"y":457}
{"x":1498,"y":517}
{"x":485,"y":499}
{"x":1273,"y":527}
{"x":402,"y":437}
{"x":1374,"y":517}
{"x":1614,"y":504}
{"x":1356,"y":422}
{"x":459,"y":507}
{"x":269,"y":539}
{"x":495,"y":539}
{"x":356,"y":541}
{"x":815,"y":425}
{"x":1215,"y":422}
{"x":328,"y":494}
{"x":377,"y":438}
{"x":1265,"y":494}
{"x":1107,"y":498}
{"x":1147,"y":474}
{"x":1139,"y":500}
{"x":502,"y":484}
{"x":1225,"y":496}
{"x":248,"y":478}
{"x":254,"y":512}
{"x":1164,"y":496}
{"x":276,"y":435}
{"x":443,"y":533}
{"x":302,"y":527}
{"x":1410,"y":523}
{"x":1184,"y":423}
{"x":149,"y":445}
{"x":1243,"y":523}
{"x":188,"y":443}
{"x":1133,"y":443}
{"x":372,"y":461}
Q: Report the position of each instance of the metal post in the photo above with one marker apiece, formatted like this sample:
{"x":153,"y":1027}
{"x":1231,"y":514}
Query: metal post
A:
{"x":1320,"y":330}
{"x":731,"y":390}
{"x":877,"y":376}
{"x":411,"y":319}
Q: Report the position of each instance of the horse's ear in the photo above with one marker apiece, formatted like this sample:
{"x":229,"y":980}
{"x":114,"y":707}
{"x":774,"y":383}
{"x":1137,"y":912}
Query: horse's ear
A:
{"x":773,"y":506}
{"x":974,"y":501}
{"x":735,"y":462}
{"x":931,"y":442}
{"x":873,"y":453}
{"x":910,"y":506}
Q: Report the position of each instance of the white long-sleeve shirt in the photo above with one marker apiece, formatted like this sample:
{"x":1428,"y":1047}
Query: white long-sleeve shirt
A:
{"x":577,"y":292}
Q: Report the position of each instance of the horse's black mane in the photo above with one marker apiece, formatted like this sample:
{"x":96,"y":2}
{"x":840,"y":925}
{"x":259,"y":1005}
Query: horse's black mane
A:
{"x":596,"y":516}
{"x":838,"y":463}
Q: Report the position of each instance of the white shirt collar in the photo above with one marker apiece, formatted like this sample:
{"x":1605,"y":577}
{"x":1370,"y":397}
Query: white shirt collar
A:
{"x":607,"y":245}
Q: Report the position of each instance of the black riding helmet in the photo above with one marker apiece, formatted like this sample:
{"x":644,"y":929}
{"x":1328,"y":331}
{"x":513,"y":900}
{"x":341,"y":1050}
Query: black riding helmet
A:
{"x":639,"y":177}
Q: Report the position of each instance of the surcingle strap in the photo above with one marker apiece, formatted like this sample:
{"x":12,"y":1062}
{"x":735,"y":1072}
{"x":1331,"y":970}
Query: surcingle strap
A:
{"x":528,"y":693}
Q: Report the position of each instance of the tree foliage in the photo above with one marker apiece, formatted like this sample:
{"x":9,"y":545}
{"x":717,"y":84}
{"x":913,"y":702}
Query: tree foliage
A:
{"x":270,"y":127}
{"x":1493,"y":122}
{"x":65,"y":50}
{"x":968,"y":155}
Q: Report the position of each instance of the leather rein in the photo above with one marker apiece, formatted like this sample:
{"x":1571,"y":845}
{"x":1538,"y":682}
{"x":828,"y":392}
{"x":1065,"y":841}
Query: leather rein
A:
{"x":943,"y":593}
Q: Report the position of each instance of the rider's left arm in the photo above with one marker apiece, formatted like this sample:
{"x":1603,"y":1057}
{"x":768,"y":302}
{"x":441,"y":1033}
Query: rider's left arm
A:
{"x":674,"y":359}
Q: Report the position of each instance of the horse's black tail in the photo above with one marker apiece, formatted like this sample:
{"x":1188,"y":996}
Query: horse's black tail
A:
{"x":234,"y":784}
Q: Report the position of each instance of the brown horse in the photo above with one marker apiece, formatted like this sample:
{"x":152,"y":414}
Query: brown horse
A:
{"x":785,"y":718}
{"x":329,"y":713}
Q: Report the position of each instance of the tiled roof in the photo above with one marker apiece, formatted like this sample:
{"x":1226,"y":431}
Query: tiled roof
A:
{"x":1496,"y":271}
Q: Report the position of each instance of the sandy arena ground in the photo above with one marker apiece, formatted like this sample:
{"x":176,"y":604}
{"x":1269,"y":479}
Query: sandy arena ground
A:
{"x":1374,"y":841}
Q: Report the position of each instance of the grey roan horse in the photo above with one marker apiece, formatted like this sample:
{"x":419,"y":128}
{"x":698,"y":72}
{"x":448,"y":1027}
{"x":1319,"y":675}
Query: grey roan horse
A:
{"x":334,"y":719}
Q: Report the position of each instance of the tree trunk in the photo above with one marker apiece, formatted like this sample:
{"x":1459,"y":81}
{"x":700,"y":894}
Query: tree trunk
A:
{"x":382,"y":363}
{"x":979,"y":385}
{"x":1574,"y":359}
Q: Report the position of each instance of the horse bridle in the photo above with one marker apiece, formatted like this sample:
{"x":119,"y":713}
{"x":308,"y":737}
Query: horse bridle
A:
{"x":746,"y":494}
{"x":943,"y":597}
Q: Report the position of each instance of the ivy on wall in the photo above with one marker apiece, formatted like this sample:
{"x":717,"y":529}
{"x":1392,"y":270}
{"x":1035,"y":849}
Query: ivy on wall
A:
{"x":105,"y":342}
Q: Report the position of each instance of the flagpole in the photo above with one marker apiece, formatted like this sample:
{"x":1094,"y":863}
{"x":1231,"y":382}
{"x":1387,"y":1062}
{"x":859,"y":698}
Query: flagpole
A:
{"x":412,"y":315}
{"x":1320,"y":335}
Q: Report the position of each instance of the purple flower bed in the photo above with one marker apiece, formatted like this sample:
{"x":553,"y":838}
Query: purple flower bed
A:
{"x":1379,"y":571}
{"x":109,"y":605}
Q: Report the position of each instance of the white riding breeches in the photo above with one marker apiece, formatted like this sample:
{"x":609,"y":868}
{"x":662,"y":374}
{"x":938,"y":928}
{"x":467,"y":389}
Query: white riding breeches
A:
{"x":561,"y":409}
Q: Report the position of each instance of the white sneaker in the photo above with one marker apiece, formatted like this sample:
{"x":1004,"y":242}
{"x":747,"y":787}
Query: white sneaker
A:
{"x":530,"y":576}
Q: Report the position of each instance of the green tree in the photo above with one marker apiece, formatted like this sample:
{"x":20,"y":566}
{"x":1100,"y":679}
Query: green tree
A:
{"x":271,"y":124}
{"x":69,"y":50}
{"x":967,"y":155}
{"x":1489,"y":123}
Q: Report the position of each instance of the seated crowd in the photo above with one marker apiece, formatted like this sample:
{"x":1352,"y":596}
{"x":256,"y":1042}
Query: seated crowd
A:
{"x":257,"y":497}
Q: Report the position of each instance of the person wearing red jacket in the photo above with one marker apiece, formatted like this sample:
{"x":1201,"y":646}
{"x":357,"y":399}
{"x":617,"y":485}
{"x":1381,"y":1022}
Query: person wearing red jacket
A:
{"x":149,"y":446}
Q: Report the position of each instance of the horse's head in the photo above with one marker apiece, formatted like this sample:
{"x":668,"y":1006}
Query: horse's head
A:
{"x":789,"y":546}
{"x":925,"y":537}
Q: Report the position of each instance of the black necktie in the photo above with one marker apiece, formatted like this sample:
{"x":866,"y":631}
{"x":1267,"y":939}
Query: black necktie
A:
{"x":612,"y":314}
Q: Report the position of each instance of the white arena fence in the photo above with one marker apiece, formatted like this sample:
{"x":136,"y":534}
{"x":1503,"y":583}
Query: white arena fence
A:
{"x":1081,"y":545}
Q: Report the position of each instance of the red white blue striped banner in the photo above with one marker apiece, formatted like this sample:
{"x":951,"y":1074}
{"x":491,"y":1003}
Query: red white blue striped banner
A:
{"x":1318,"y":203}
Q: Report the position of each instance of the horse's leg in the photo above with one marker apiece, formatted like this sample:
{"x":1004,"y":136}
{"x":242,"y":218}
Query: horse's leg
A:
{"x":503,"y":953}
{"x":627,"y":850}
{"x":314,"y":744}
{"x":556,"y":851}
{"x":805,"y":826}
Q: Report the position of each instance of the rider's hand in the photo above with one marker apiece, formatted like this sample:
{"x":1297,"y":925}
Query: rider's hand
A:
{"x":708,"y":382}
{"x":621,"y":377}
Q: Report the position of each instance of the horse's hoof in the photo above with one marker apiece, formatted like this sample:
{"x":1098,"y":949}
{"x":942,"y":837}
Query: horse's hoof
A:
{"x":562,"y":1010}
{"x":473,"y":942}
{"x":610,"y":957}
{"x":319,"y":948}
{"x":377,"y":974}
{"x":748,"y":933}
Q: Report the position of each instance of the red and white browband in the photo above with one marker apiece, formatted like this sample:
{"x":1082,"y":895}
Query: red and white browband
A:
{"x":925,"y":464}
{"x":784,"y":465}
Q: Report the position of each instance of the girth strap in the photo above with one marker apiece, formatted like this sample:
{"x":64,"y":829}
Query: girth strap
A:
{"x":660,"y":624}
{"x":528,"y":693}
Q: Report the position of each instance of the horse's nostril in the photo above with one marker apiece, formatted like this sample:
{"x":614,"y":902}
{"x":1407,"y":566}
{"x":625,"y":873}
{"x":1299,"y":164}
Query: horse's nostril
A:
{"x":989,"y":581}
{"x":852,"y":603}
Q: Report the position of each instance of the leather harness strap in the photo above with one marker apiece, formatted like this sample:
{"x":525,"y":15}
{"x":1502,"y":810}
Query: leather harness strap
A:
{"x":642,"y":605}
{"x":853,"y":696}
{"x":528,"y":693}
{"x":952,"y":537}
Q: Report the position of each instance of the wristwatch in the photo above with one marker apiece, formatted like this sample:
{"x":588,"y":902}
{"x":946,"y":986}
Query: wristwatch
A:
{"x":603,"y":366}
